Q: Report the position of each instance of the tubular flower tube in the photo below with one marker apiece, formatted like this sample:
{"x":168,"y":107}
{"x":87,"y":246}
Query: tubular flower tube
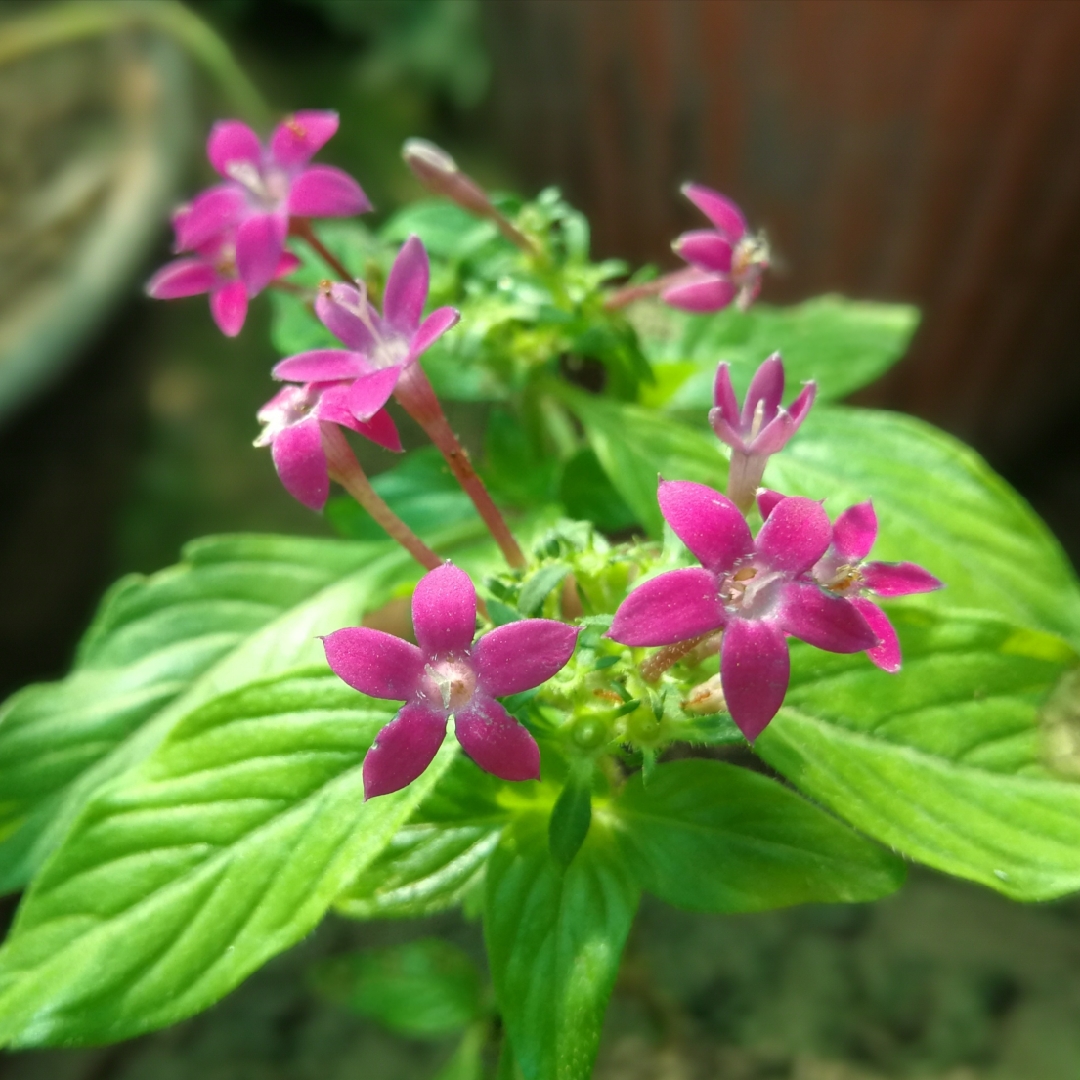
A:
{"x":212,"y":269}
{"x":265,"y":186}
{"x":381,"y":347}
{"x":726,"y":262}
{"x":292,"y":429}
{"x":844,"y":571}
{"x":757,"y":591}
{"x":761,"y":428}
{"x":447,"y":675}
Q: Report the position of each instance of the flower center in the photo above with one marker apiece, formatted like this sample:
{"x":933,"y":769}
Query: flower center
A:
{"x":845,"y":578}
{"x":451,"y":682}
{"x":749,"y":591}
{"x":267,"y":187}
{"x":750,"y":257}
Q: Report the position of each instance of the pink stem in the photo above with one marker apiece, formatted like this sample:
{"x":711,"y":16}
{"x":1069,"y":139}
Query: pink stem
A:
{"x":417,"y":397}
{"x":625,"y":296}
{"x":347,"y":471}
{"x":655,"y":666}
{"x":301,"y":227}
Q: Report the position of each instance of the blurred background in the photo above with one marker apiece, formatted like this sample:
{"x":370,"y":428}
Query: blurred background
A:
{"x":911,"y":150}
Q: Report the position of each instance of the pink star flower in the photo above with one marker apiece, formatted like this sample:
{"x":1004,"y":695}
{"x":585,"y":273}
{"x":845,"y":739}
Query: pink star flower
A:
{"x":726,"y":262}
{"x":843,"y":571}
{"x":757,"y":591}
{"x":381,"y":347}
{"x":264,"y":187}
{"x":448,"y":675}
{"x":293,"y":419}
{"x":761,"y":428}
{"x":212,"y":269}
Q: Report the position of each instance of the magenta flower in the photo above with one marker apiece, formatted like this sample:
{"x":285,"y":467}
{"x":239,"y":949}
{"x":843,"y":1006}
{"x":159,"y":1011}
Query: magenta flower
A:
{"x":755,"y":590}
{"x":843,"y":571}
{"x":212,"y":269}
{"x":264,"y":187}
{"x":381,"y":347}
{"x":726,"y":263}
{"x":292,"y":430}
{"x":761,"y":428}
{"x":445,"y":676}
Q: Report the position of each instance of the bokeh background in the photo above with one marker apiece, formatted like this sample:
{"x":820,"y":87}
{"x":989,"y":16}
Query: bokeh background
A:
{"x":911,"y":150}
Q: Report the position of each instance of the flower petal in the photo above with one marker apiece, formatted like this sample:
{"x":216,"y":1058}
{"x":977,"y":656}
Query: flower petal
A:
{"x":228,"y":306}
{"x":286,"y":265}
{"x":407,"y":287}
{"x":774,"y":436}
{"x":702,"y":296}
{"x":210,"y":214}
{"x":795,"y":535}
{"x":721,"y":211}
{"x":444,"y":610}
{"x":754,"y":672}
{"x":304,"y":133}
{"x":403,"y":750}
{"x":801,"y":405}
{"x":381,"y":430}
{"x":708,"y":523}
{"x":182,"y":277}
{"x":323,"y":191}
{"x":886,"y":654}
{"x":705,"y":248}
{"x":767,"y":390}
{"x":369,"y":393}
{"x":259,"y":244}
{"x":232,"y":142}
{"x":496,"y":741}
{"x":301,"y":463}
{"x":521,"y":655}
{"x":767,"y":500}
{"x":855,"y":531}
{"x":826,"y":622}
{"x":724,"y":396}
{"x":898,"y":579}
{"x":375,"y":663}
{"x":672,"y":607}
{"x":431,"y":329}
{"x":337,"y":308}
{"x":727,"y":432}
{"x":320,"y":365}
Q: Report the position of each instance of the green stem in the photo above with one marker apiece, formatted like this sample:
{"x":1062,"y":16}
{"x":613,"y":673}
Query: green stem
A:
{"x":70,"y":22}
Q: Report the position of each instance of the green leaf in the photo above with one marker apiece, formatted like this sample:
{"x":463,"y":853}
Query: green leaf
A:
{"x":944,"y":761}
{"x":447,"y":231}
{"x":467,"y":1060}
{"x":571,"y":814}
{"x":178,"y":880}
{"x":589,"y":495}
{"x":938,"y":504}
{"x":437,"y":860}
{"x":229,"y":609}
{"x":425,"y":989}
{"x":843,"y":344}
{"x":554,"y":940}
{"x":636,"y":446}
{"x":539,"y":587}
{"x":705,"y":836}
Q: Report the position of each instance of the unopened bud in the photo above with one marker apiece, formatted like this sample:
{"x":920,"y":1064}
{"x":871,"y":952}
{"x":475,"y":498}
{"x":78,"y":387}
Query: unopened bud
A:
{"x":706,"y":698}
{"x":438,"y":172}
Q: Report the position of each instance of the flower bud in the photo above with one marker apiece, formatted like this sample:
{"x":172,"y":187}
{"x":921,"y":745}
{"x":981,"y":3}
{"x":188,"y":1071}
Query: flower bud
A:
{"x":438,"y":172}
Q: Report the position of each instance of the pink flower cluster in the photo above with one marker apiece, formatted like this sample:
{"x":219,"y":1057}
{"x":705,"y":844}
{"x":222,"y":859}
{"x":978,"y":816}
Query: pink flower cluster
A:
{"x":232,"y":235}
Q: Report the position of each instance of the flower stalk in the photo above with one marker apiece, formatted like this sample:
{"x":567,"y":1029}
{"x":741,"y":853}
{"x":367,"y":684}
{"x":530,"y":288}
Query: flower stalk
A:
{"x":302,"y":230}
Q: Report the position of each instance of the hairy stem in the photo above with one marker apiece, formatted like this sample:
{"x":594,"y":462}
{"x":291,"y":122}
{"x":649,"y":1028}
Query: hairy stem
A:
{"x":625,"y":296}
{"x":654,"y":666}
{"x":417,"y":397}
{"x":347,"y":471}
{"x":301,"y":228}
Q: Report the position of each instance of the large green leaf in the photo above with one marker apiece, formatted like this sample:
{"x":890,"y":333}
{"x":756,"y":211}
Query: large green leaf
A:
{"x":554,"y":939}
{"x":705,"y":836}
{"x":224,"y":847}
{"x":843,"y":344}
{"x":938,"y":504}
{"x":231,"y":599}
{"x":438,"y":858}
{"x":944,"y":761}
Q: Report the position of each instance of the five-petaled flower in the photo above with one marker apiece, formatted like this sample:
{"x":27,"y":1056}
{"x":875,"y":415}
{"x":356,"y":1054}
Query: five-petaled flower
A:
{"x":761,"y":428}
{"x":212,"y":269}
{"x":843,"y":570}
{"x":381,"y":347}
{"x":726,"y":261}
{"x":446,"y":675}
{"x":757,"y":591}
{"x":263,"y":188}
{"x":292,"y":429}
